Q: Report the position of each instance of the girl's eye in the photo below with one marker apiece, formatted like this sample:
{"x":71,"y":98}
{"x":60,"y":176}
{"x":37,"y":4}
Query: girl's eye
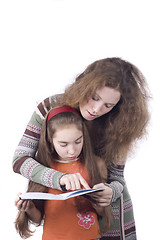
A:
{"x":78,"y":142}
{"x":64,"y":145}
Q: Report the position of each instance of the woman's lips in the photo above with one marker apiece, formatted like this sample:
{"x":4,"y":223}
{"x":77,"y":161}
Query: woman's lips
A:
{"x":91,"y":115}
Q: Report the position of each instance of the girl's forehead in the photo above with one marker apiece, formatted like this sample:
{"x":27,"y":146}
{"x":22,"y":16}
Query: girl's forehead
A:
{"x":68,"y":126}
{"x":68,"y":132}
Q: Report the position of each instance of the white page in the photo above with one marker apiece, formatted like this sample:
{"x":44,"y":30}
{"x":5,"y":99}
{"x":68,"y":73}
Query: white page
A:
{"x":63,"y":196}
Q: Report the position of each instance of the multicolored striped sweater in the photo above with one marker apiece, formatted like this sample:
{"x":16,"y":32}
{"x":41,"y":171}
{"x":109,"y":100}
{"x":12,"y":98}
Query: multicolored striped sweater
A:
{"x":23,"y":163}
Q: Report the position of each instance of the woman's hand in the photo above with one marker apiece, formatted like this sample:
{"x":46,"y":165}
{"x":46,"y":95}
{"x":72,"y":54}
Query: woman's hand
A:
{"x":74,"y":182}
{"x":102,"y":198}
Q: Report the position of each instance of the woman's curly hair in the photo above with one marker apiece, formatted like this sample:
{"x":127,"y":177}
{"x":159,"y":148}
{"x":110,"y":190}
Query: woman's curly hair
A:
{"x":113,"y":133}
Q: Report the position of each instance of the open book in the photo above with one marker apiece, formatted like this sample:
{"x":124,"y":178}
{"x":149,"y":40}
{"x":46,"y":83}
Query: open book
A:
{"x":63,"y":196}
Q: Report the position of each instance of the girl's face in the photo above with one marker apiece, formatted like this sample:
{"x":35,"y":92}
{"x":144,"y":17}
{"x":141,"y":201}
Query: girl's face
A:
{"x":68,"y":142}
{"x":101,"y":103}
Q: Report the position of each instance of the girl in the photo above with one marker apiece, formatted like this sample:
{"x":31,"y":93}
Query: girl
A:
{"x":111,"y":95}
{"x":64,"y":145}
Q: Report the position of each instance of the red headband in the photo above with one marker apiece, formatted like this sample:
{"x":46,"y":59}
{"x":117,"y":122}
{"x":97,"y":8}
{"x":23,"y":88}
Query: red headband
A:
{"x":60,"y":110}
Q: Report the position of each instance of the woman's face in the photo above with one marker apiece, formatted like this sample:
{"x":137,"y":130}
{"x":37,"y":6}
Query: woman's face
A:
{"x":101,"y":103}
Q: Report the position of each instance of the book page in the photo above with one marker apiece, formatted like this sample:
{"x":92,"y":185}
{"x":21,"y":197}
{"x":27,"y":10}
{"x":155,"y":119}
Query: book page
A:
{"x":63,"y":196}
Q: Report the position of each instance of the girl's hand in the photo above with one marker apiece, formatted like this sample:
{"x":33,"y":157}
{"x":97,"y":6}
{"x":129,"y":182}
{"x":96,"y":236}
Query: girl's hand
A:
{"x":102,"y":198}
{"x":23,"y":205}
{"x":28,"y":206}
{"x":74,"y":182}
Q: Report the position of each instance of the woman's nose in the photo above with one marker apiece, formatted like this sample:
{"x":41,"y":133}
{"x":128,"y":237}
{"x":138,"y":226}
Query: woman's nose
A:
{"x":97,"y":107}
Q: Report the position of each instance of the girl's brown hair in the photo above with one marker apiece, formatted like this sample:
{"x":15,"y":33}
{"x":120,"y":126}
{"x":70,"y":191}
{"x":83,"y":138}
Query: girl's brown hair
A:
{"x":113,"y":133}
{"x":46,"y":154}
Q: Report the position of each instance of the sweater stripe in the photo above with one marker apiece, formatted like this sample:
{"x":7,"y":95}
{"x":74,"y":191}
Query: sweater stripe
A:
{"x":18,"y":164}
{"x":47,"y":104}
{"x":34,"y":134}
{"x":41,"y":109}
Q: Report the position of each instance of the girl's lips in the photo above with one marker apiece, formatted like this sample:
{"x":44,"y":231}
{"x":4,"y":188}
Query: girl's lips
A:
{"x":72,"y":158}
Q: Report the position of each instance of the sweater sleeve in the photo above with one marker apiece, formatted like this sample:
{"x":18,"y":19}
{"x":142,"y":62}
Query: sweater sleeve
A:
{"x":116,"y":181}
{"x":23,"y":159}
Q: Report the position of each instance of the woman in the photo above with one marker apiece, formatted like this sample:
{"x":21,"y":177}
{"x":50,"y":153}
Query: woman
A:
{"x":111,"y":94}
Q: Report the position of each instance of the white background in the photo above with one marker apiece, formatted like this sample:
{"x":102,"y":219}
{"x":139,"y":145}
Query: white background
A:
{"x":43,"y":46}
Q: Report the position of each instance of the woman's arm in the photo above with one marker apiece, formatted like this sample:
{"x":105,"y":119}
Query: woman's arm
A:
{"x":23,"y":160}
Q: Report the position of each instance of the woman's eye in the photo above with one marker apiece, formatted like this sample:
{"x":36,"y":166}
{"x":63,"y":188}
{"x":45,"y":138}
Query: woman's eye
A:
{"x":78,"y":142}
{"x":108,"y":106}
{"x":95,"y":98}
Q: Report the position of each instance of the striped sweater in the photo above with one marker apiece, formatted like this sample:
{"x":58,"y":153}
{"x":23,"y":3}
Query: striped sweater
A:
{"x":23,"y":163}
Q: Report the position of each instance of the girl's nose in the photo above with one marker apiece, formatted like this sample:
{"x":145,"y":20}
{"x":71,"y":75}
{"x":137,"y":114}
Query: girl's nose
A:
{"x":71,"y":150}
